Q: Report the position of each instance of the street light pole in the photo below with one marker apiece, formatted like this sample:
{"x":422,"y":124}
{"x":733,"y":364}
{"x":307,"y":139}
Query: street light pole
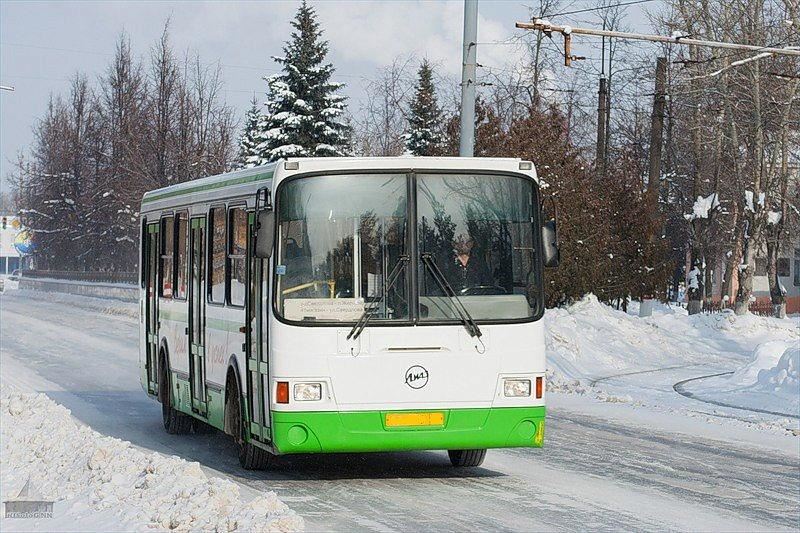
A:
{"x":6,"y":88}
{"x":467,"y":137}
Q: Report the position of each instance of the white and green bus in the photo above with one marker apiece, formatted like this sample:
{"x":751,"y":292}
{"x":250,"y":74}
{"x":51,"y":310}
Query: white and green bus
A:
{"x":349,"y":305}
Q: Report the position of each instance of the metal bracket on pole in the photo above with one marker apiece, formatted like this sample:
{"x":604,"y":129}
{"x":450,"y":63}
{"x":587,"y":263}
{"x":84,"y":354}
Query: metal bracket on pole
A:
{"x":568,"y":56}
{"x":548,"y":28}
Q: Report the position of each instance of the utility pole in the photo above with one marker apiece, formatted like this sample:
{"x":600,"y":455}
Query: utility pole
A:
{"x":467,"y":138}
{"x":654,"y":171}
{"x":602,"y":100}
{"x":657,"y":132}
{"x":602,"y":115}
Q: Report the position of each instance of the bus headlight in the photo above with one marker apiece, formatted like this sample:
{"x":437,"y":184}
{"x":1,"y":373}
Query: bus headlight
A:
{"x":312,"y":392}
{"x":516,"y":387}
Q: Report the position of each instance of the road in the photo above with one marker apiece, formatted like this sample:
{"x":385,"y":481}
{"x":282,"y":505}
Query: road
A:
{"x":593,"y":473}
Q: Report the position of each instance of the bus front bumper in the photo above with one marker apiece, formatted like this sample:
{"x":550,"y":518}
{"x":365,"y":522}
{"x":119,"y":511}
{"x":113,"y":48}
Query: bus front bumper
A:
{"x":369,"y":431}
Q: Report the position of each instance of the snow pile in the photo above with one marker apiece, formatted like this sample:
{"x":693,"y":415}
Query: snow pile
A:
{"x":784,"y":376}
{"x":104,"y":483}
{"x":593,"y":348}
{"x":104,"y":306}
{"x":769,"y":380}
{"x":765,"y":357}
{"x":590,"y":340}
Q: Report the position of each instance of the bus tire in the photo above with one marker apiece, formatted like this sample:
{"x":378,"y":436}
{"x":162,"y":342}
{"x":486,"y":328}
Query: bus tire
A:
{"x":175,"y":422}
{"x":251,"y":457}
{"x":466,"y":458}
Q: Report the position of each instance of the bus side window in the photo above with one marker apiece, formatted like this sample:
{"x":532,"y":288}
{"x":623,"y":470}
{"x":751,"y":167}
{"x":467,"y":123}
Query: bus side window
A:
{"x":237,"y":256}
{"x":182,"y":241}
{"x":166,"y":270}
{"x":217,"y":258}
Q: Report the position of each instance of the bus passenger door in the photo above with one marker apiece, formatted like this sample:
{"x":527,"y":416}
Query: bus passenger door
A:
{"x":197,"y":314}
{"x":151,"y":305}
{"x":257,"y":369}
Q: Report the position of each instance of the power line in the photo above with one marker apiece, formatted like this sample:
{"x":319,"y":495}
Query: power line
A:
{"x":569,"y":31}
{"x":600,"y":8}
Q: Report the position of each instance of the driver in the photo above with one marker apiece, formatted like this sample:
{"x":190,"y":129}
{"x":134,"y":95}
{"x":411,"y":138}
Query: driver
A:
{"x":470,"y":264}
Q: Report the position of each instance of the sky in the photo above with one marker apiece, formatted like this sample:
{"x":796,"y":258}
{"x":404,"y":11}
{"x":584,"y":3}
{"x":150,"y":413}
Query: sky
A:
{"x":42,"y":44}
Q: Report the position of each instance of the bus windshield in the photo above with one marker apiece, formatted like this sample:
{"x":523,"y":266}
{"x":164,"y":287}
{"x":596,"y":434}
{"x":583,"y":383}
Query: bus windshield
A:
{"x":340,"y":237}
{"x":477,"y":230}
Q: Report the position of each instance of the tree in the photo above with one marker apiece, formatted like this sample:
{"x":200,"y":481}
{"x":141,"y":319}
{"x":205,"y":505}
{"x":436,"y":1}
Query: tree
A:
{"x":382,"y":121}
{"x":96,"y":152}
{"x":424,"y":136}
{"x":304,"y":113}
{"x":248,"y":143}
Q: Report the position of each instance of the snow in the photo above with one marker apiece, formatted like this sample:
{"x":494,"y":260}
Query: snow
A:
{"x":703,"y":206}
{"x":748,"y":198}
{"x":611,"y":356}
{"x":610,"y":454}
{"x":769,"y":380}
{"x":773,"y":217}
{"x":784,"y":376}
{"x":101,"y":483}
{"x":694,"y":278}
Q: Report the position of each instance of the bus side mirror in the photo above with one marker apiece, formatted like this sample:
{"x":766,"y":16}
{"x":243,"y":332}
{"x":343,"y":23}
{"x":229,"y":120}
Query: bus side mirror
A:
{"x":550,"y":253}
{"x":265,"y":233}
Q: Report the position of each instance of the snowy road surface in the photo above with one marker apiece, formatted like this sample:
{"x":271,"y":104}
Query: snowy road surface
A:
{"x":594,"y":472}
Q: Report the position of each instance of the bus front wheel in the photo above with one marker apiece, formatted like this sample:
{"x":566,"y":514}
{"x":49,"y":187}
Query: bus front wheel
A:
{"x":251,"y":457}
{"x":466,"y":457}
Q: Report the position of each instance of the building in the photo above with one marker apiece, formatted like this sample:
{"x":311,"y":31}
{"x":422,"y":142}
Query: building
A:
{"x":788,"y":275}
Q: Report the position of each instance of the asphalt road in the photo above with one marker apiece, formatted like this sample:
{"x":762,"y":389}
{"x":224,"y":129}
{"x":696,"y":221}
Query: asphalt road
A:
{"x":592,"y":474}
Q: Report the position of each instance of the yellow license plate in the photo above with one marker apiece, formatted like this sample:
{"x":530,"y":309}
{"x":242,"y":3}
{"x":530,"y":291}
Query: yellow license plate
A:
{"x":394,"y":420}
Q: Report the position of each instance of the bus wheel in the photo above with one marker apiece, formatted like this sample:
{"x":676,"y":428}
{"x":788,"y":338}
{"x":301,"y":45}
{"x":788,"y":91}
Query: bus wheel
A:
{"x":176,"y":423}
{"x":251,"y":457}
{"x":466,"y":457}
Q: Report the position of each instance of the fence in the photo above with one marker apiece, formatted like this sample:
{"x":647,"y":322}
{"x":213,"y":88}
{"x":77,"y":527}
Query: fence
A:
{"x":130,"y":278}
{"x":760,"y":307}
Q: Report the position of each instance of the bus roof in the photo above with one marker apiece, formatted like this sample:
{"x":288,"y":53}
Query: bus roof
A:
{"x":252,"y":176}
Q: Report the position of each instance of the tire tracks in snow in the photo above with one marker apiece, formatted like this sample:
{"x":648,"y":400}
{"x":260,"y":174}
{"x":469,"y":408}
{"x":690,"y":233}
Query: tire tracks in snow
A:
{"x":680,"y":389}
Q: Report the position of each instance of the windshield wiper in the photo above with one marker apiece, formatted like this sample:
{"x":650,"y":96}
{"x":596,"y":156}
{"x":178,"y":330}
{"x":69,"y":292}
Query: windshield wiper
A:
{"x":466,"y":319}
{"x":368,"y":313}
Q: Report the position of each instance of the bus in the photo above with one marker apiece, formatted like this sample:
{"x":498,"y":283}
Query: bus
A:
{"x":328,"y":305}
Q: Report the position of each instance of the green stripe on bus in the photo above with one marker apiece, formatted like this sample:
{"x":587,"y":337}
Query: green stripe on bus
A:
{"x":223,"y":325}
{"x":208,"y":187}
{"x":366,"y":431}
{"x":177,"y":316}
{"x":211,"y":323}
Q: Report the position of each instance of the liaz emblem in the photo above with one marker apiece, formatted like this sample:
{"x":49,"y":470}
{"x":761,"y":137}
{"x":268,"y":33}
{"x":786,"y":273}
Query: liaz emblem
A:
{"x":416,"y":377}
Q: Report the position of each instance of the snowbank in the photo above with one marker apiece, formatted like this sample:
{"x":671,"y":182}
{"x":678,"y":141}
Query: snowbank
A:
{"x":613,"y":356}
{"x":770,"y":380}
{"x":590,"y":340}
{"x":104,"y":306}
{"x":784,"y":376}
{"x":101,"y":483}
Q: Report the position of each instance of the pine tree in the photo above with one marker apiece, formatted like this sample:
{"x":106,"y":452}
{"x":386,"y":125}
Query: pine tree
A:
{"x":304,"y":113}
{"x":249,"y":155}
{"x":424,"y":136}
